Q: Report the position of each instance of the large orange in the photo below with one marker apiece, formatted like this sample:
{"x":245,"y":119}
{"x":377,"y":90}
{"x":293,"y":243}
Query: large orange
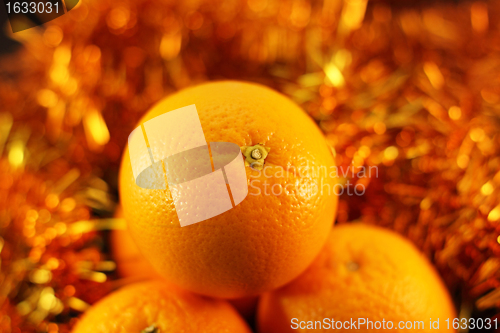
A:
{"x":153,"y":307}
{"x":363,"y":272}
{"x":267,"y":239}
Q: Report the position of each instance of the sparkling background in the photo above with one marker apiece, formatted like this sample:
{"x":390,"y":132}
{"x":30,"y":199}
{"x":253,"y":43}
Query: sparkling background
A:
{"x":412,"y":88}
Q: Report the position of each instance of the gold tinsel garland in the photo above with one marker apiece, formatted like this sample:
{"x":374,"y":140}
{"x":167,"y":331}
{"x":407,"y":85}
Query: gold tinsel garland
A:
{"x":411,"y":89}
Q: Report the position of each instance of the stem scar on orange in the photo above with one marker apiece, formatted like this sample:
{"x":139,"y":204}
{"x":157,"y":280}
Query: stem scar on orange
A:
{"x":270,"y":237}
{"x":155,"y":307}
{"x":362,"y":272}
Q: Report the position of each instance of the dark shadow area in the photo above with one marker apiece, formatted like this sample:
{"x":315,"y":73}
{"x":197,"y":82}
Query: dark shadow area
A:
{"x":7,"y":45}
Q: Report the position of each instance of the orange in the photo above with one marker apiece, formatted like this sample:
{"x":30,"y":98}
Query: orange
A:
{"x":362,"y":272}
{"x":132,"y":265}
{"x":269,"y":238}
{"x":153,"y":307}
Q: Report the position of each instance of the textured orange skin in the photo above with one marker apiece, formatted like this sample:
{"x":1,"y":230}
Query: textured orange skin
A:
{"x":132,"y":266}
{"x":138,"y":306}
{"x":394,"y":281}
{"x":266,"y":240}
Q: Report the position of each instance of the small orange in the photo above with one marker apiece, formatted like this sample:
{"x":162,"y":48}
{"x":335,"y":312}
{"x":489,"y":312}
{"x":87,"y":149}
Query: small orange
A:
{"x":363,"y":272}
{"x":270,"y":237}
{"x":154,"y":307}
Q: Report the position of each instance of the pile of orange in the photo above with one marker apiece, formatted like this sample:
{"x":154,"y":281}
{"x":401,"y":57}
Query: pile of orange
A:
{"x":278,"y":246}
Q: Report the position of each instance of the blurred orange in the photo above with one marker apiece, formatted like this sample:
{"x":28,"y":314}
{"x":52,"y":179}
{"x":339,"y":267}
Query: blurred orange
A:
{"x":363,"y":272}
{"x":155,"y":307}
